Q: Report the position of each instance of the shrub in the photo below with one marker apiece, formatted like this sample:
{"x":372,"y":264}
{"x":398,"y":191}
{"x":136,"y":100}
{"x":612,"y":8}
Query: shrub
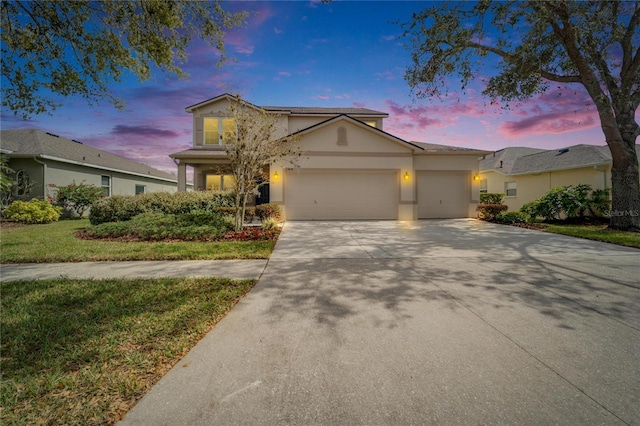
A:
{"x":567,"y":202}
{"x":511,"y":217}
{"x":491,"y":198}
{"x":269,"y":223}
{"x":249,"y":212}
{"x":34,"y":211}
{"x":490,"y":211}
{"x":270,"y":210}
{"x":155,"y":226}
{"x":125,"y":207}
{"x":76,"y":199}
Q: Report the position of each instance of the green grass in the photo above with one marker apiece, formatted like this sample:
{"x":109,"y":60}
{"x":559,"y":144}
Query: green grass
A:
{"x":55,"y":242}
{"x":82,"y":352}
{"x":597,"y":233}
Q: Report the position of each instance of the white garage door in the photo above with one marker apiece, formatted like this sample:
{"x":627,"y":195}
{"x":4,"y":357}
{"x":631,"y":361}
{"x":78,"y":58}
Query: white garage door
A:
{"x":443,"y":195}
{"x":336,"y":195}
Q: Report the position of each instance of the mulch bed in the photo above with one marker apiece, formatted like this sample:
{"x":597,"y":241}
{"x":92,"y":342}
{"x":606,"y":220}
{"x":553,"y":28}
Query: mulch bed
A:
{"x":247,"y":234}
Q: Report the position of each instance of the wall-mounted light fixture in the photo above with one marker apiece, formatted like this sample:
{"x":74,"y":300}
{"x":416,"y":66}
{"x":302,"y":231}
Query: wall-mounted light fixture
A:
{"x":275,"y":176}
{"x":406,"y":175}
{"x":476,"y":177}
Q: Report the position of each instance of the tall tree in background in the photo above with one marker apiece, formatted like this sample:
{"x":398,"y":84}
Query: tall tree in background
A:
{"x":260,"y":140}
{"x":65,"y":48}
{"x":592,"y":43}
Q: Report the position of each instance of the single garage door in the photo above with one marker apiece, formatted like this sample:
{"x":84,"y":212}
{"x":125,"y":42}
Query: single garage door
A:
{"x":443,"y":194}
{"x":338,"y":194}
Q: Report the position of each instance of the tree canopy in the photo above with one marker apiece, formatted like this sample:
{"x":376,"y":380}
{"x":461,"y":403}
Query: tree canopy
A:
{"x":592,"y":43}
{"x":64,"y":48}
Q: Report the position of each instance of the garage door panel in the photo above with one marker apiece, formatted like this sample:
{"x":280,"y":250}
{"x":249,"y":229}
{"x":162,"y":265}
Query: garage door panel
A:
{"x":337,"y":195}
{"x":443,"y":195}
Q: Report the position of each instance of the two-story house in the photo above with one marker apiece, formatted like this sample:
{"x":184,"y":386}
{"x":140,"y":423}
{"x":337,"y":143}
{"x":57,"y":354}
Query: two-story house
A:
{"x":350,"y":167}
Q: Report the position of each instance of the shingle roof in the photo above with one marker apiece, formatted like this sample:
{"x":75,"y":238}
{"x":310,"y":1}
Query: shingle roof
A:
{"x":519,"y":161}
{"x":324,"y":110}
{"x":504,"y":159}
{"x":436,"y":148}
{"x":296,"y":110}
{"x":37,"y":143}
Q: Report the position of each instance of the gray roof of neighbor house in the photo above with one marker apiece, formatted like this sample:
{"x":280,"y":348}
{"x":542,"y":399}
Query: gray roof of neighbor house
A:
{"x":297,"y":110}
{"x":27,"y":143}
{"x":520,"y":161}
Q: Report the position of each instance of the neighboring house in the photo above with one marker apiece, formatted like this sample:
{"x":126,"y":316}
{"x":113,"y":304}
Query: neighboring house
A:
{"x":526,"y":174}
{"x":350,"y":167}
{"x":41,"y":160}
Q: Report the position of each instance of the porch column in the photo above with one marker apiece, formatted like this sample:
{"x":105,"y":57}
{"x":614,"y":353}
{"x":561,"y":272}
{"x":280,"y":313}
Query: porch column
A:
{"x":182,"y":176}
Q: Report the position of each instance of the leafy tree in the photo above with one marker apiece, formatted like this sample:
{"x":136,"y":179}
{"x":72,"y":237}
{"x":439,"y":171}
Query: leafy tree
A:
{"x":592,"y":43}
{"x":75,"y":199}
{"x":6,"y":182}
{"x":253,"y":149}
{"x":63,"y":48}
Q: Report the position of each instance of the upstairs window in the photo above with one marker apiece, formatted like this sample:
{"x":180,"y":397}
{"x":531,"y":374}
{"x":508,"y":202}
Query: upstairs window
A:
{"x":219,"y":130}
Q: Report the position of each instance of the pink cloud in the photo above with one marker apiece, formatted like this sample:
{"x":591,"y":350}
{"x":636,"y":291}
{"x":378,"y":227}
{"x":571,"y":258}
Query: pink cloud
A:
{"x":389,"y":38}
{"x":277,"y":31}
{"x":556,"y":111}
{"x":284,"y":73}
{"x":323,"y":97}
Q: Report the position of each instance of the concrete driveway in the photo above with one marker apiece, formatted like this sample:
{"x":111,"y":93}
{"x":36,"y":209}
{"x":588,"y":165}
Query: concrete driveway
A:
{"x":429,"y":322}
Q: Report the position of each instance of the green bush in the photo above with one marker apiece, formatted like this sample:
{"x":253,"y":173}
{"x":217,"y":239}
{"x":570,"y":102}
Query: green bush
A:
{"x":270,"y":210}
{"x":34,"y":211}
{"x":249,"y":212}
{"x":511,"y":217}
{"x":490,"y":211}
{"x":269,"y":223}
{"x":491,"y":198}
{"x":125,"y":207}
{"x":76,"y":199}
{"x":155,"y":226}
{"x":567,"y":203}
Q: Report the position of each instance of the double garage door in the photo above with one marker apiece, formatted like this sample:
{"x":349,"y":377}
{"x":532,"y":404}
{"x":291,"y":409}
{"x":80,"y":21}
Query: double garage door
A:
{"x":338,"y":194}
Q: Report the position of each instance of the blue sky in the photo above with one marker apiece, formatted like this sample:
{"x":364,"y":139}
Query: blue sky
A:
{"x":304,"y":53}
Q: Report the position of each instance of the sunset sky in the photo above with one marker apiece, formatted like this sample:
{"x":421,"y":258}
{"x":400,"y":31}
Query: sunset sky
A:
{"x":301,"y":53}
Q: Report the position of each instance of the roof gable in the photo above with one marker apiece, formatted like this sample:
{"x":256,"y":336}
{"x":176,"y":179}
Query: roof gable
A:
{"x":362,"y":128}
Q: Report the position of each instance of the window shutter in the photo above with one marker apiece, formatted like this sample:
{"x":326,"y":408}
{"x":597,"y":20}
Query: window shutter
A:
{"x":199,"y":133}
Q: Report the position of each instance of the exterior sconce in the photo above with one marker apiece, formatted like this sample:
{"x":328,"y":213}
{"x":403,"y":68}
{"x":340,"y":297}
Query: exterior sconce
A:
{"x":476,"y":177}
{"x":406,"y":175}
{"x":275,"y":176}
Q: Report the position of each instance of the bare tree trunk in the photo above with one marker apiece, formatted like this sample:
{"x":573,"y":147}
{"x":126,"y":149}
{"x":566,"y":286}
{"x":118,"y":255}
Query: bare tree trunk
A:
{"x":625,"y":196}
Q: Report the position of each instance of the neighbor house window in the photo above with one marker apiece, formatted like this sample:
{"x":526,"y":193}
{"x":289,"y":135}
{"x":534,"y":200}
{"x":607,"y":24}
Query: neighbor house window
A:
{"x":220,"y":182}
{"x":22,"y":183}
{"x":140,"y":189}
{"x":510,"y":189}
{"x":105,"y":183}
{"x":219,"y":130}
{"x":483,"y":186}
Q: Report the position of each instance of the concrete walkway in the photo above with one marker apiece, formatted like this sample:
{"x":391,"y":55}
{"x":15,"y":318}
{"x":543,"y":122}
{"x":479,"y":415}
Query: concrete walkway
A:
{"x":238,"y":269}
{"x":430,"y":322}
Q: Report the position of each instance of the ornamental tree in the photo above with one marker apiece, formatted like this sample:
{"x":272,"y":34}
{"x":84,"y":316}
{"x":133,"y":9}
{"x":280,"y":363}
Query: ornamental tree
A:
{"x":595,"y":44}
{"x":255,"y":146}
{"x":56,"y":48}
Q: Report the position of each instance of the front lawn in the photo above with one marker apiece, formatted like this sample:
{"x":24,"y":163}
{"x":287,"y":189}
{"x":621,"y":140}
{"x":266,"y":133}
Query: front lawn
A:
{"x":597,"y":233}
{"x":55,"y":242}
{"x":79,"y":352}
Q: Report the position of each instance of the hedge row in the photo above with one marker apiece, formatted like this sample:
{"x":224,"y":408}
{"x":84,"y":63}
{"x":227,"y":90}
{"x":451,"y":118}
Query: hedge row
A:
{"x":119,"y":208}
